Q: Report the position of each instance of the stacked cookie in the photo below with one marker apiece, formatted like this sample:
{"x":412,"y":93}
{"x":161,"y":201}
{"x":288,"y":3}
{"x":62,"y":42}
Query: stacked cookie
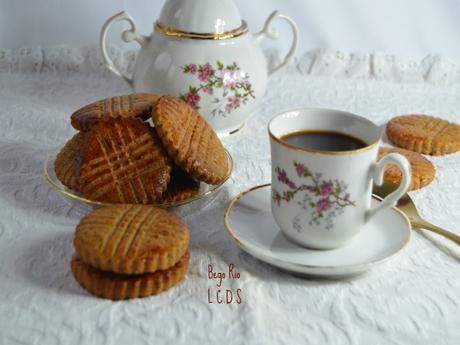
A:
{"x":416,"y":135}
{"x":119,"y":158}
{"x":130,"y":251}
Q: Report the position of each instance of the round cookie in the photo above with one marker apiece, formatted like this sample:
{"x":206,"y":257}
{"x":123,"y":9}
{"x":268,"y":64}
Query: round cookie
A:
{"x":122,"y":286}
{"x":67,"y":162}
{"x":135,"y":105}
{"x":189,"y":140}
{"x":131,"y":239}
{"x":424,"y":134}
{"x":181,"y":187}
{"x":423,"y":171}
{"x":123,"y":161}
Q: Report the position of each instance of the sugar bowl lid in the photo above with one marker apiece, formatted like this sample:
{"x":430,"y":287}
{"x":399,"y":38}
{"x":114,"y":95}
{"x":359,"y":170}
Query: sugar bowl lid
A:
{"x":201,"y":19}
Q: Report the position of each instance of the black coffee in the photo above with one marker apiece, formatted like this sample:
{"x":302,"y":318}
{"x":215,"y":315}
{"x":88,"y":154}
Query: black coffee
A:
{"x":323,"y":141}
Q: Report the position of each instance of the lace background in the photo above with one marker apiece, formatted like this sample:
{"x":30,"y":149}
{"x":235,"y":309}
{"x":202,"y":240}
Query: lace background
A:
{"x":412,"y":299}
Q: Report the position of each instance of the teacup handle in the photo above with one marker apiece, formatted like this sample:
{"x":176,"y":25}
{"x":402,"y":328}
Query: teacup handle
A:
{"x":270,"y":32}
{"x":127,"y":36}
{"x":378,"y":170}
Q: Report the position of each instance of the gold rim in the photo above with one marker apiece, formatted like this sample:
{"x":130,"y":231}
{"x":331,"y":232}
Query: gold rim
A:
{"x":317,"y":152}
{"x":56,"y":184}
{"x":225,"y":35}
{"x":245,"y":246}
{"x":230,"y":133}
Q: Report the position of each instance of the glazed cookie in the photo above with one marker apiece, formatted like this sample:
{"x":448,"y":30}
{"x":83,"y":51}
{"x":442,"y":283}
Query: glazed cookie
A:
{"x":190,"y":141}
{"x":423,"y":171}
{"x":134,"y":105}
{"x":424,"y":134}
{"x":67,"y":162}
{"x":123,"y":161}
{"x":122,"y":286}
{"x":131,"y":239}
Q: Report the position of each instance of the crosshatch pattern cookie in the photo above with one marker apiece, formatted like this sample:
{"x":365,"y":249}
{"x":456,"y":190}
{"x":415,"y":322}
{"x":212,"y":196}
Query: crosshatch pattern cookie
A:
{"x":181,"y":187}
{"x":67,"y":162}
{"x":121,"y":286}
{"x":135,"y":105}
{"x":424,"y":134}
{"x":123,"y":161}
{"x":131,"y":239}
{"x":189,"y":140}
{"x":423,"y":171}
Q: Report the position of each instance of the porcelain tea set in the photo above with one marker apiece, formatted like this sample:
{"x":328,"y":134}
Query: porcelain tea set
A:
{"x":318,"y":216}
{"x":202,"y":51}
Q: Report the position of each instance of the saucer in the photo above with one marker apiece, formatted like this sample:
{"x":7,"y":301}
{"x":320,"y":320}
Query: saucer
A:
{"x":249,"y":221}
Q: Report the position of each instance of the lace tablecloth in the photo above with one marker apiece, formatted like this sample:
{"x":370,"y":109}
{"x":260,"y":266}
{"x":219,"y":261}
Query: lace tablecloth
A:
{"x":412,"y":299}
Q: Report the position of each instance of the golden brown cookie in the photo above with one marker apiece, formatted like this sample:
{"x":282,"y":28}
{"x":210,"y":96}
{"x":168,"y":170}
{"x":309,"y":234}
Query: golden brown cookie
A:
{"x":134,"y":105}
{"x":67,"y":162}
{"x":123,"y":161}
{"x":131,"y":239}
{"x":123,"y":286}
{"x":189,"y":140}
{"x":181,"y":187}
{"x":424,"y":134}
{"x":423,"y":171}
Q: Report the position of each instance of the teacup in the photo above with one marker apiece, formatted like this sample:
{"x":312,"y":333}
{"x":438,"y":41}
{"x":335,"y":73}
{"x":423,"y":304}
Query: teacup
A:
{"x":321,"y":198}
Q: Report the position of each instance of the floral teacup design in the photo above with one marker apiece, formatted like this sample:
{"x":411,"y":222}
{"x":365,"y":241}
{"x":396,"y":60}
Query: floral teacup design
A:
{"x":321,"y":199}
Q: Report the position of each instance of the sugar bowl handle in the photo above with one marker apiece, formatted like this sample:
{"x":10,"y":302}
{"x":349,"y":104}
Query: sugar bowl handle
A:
{"x":127,"y":36}
{"x":270,"y":32}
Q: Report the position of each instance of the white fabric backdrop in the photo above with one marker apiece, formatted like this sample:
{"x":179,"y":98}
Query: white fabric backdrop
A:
{"x":412,"y":28}
{"x":411,"y":300}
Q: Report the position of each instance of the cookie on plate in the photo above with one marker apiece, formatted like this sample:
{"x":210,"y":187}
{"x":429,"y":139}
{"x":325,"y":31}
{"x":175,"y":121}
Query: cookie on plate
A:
{"x":189,"y":140}
{"x":67,"y":162}
{"x":135,"y":105}
{"x":424,"y":134}
{"x":423,"y":171}
{"x":181,"y":187}
{"x":122,"y":286}
{"x":131,"y":239}
{"x":123,"y":161}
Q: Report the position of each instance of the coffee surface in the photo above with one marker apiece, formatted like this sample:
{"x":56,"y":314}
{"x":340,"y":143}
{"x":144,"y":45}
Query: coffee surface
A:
{"x":323,"y":141}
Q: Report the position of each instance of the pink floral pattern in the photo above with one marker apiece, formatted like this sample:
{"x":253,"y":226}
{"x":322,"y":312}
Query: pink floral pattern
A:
{"x":321,"y":199}
{"x":236,"y":87}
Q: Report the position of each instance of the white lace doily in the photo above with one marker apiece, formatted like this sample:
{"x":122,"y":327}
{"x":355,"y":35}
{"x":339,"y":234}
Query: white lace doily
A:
{"x":412,"y":299}
{"x":320,"y":62}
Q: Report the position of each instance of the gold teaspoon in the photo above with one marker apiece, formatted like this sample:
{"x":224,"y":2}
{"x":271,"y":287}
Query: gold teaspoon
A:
{"x":406,"y":205}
